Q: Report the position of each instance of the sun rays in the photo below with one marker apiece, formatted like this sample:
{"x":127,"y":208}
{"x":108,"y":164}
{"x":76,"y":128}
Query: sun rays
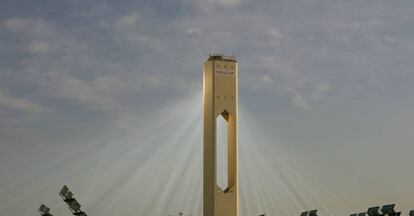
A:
{"x":156,"y":169}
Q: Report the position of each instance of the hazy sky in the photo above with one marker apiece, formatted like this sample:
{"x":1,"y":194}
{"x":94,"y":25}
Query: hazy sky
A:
{"x":106,"y":97}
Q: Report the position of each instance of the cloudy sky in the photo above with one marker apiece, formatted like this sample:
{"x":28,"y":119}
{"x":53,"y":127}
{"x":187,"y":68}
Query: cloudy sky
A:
{"x":106,"y":97}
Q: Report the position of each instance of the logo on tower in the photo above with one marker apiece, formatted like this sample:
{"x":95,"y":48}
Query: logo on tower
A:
{"x":225,"y":73}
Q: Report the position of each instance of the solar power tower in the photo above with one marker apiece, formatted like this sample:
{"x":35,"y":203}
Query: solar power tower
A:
{"x":220,"y":100}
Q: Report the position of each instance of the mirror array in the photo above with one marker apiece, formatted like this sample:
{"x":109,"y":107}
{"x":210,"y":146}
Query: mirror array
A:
{"x":386,"y":210}
{"x":75,"y":208}
{"x":44,"y":211}
{"x":72,"y":203}
{"x":68,"y":198}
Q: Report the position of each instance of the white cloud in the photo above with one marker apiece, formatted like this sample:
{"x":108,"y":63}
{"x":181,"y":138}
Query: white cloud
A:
{"x":275,"y":34}
{"x":33,"y":27}
{"x":292,"y":81}
{"x":45,"y":36}
{"x":193,"y":31}
{"x":80,"y":90}
{"x":128,"y":20}
{"x":375,"y":82}
{"x":16,"y":24}
{"x":39,"y":47}
{"x":21,"y":104}
{"x":210,"y":5}
{"x":266,"y":79}
{"x":224,"y":3}
{"x":275,"y":37}
{"x":64,"y":74}
{"x":321,"y":89}
{"x":298,"y":99}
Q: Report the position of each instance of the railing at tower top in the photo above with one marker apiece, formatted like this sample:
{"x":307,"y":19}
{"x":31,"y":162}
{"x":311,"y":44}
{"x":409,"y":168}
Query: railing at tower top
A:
{"x":221,"y":57}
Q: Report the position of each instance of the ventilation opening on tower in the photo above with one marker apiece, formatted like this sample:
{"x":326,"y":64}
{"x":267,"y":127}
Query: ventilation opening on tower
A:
{"x":222,"y":151}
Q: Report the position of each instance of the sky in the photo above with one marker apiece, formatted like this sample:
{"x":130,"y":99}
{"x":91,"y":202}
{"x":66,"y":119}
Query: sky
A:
{"x":106,"y":97}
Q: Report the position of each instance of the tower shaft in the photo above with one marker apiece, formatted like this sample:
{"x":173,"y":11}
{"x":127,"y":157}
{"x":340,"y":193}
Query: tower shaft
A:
{"x":220,"y":99}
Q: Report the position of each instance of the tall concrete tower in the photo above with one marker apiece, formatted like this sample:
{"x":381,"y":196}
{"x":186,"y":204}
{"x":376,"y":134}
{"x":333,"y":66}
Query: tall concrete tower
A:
{"x":220,"y":100}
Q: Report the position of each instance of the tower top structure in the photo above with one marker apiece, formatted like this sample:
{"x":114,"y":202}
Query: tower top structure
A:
{"x":221,"y":57}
